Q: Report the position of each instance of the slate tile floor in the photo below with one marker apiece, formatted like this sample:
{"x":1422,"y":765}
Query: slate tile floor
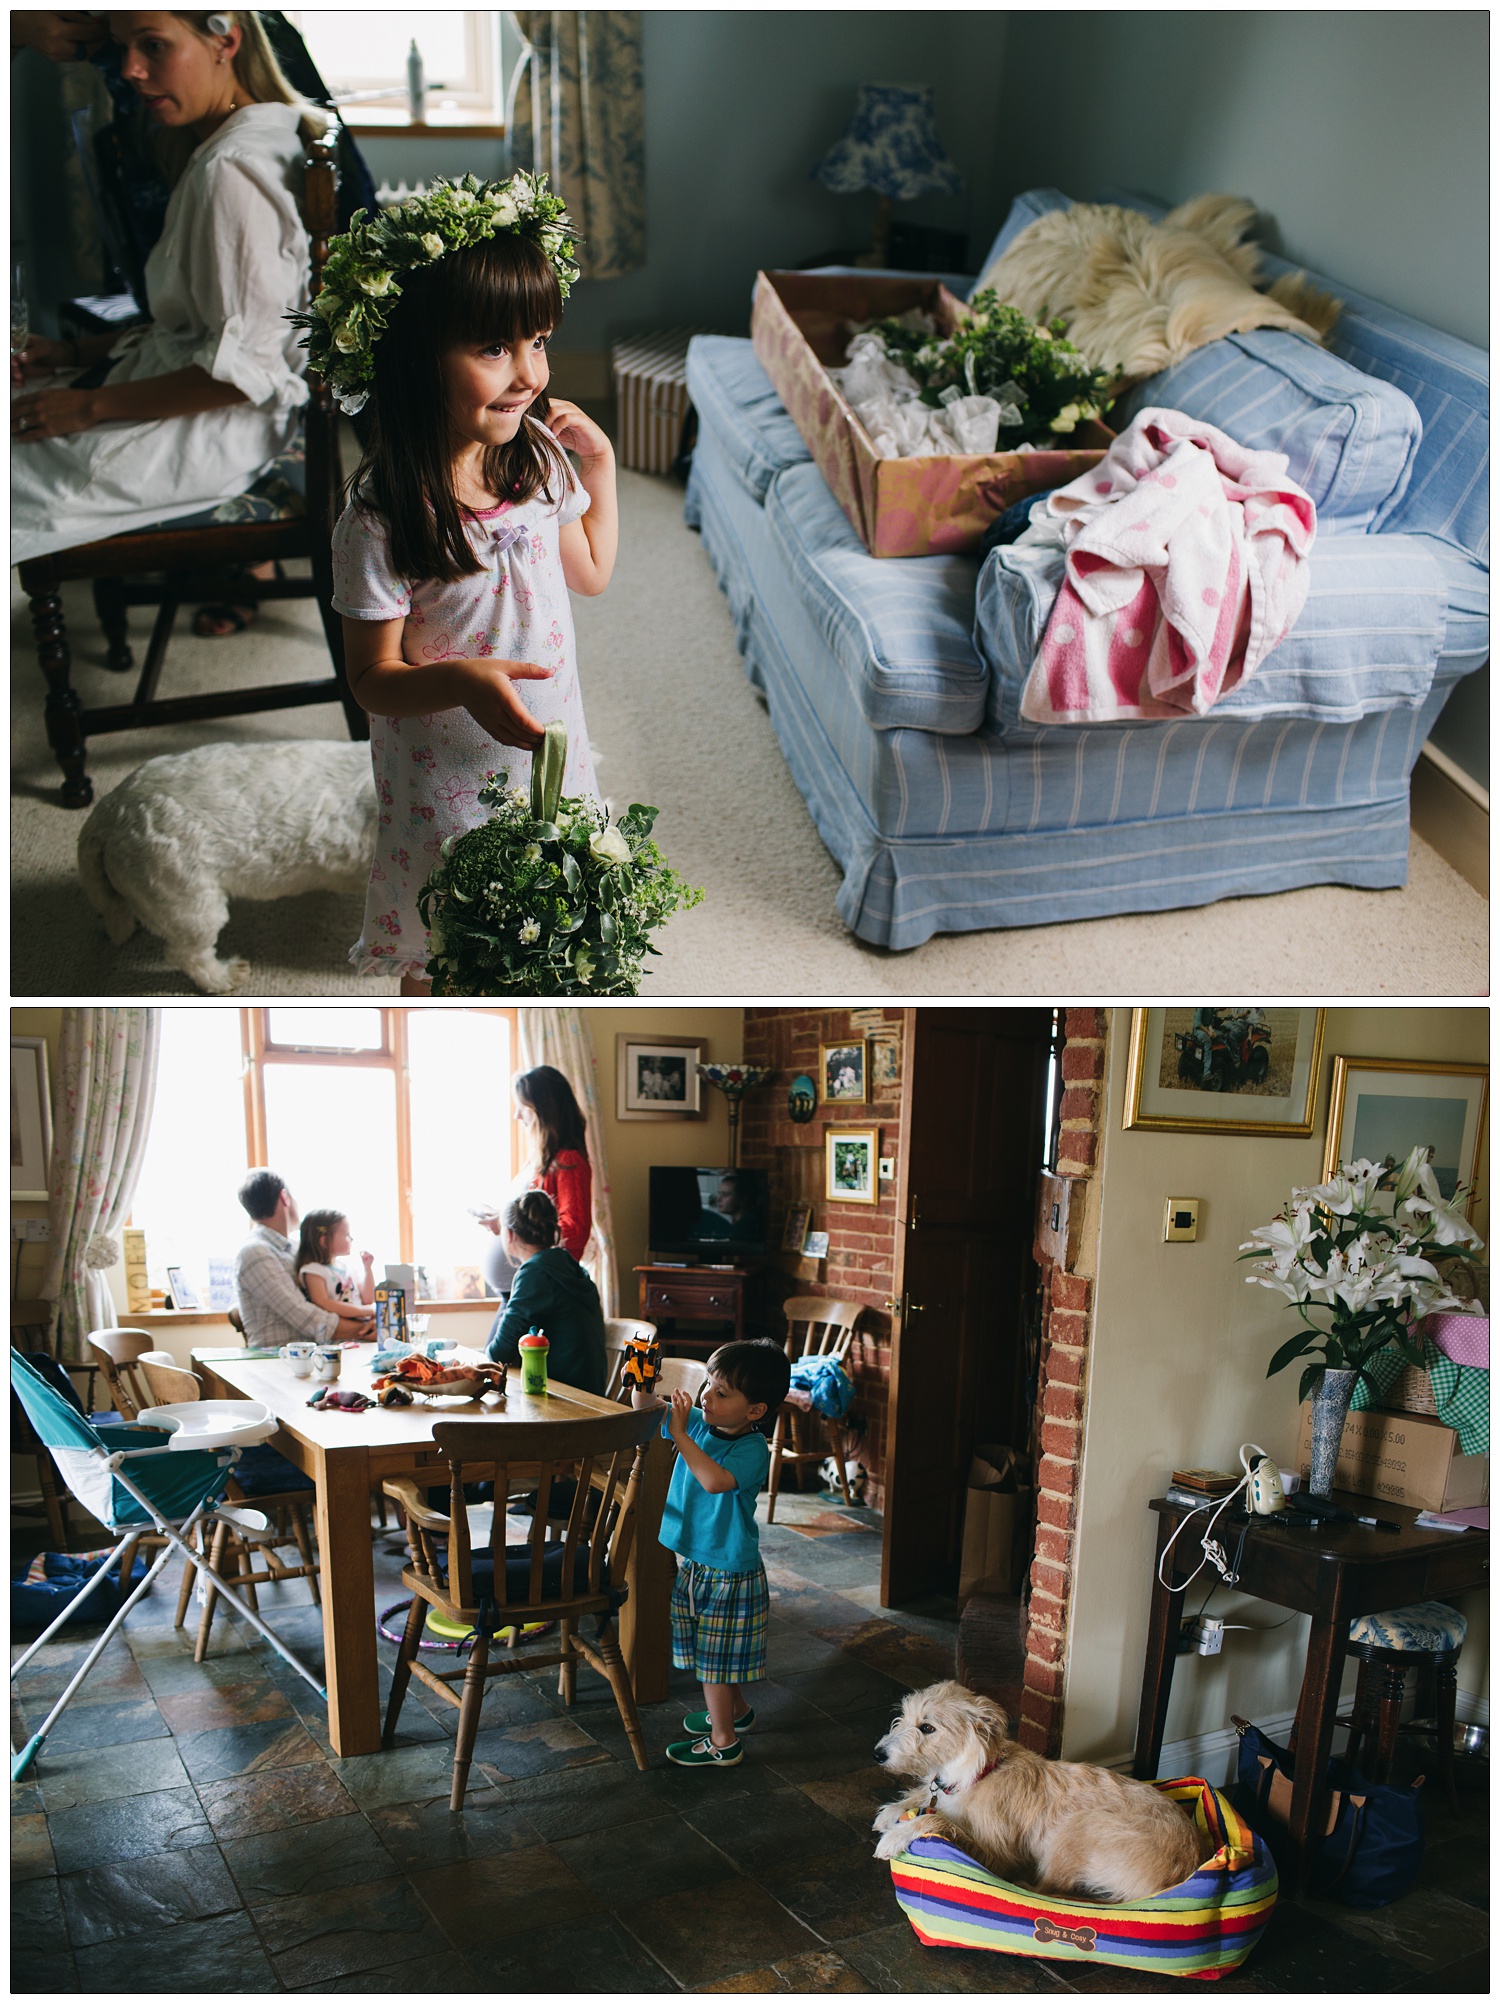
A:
{"x":187,"y":1828}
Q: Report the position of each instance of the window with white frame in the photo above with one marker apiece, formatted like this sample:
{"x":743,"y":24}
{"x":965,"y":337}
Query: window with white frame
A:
{"x":362,"y":59}
{"x":399,"y":1118}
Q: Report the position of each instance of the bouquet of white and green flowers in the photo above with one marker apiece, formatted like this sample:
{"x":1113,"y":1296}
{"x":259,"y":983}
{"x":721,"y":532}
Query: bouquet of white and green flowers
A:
{"x":1360,"y":1274}
{"x":548,"y":897}
{"x":1044,"y":386}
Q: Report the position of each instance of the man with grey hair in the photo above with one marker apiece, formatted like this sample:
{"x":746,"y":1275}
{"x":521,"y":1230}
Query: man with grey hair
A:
{"x":273,"y":1307}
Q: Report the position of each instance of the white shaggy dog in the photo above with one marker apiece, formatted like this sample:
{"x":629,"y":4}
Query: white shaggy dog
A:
{"x":185,"y":833}
{"x":1138,"y":295}
{"x":1060,"y":1826}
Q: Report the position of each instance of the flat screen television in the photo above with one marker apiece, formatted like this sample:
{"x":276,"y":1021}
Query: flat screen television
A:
{"x":708,"y":1214}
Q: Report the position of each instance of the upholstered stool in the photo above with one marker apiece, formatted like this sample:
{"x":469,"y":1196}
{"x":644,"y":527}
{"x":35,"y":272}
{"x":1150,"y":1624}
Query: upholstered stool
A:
{"x":1425,"y":1637}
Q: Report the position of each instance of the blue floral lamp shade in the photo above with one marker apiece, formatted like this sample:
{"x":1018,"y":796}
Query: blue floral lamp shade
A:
{"x":892,"y":146}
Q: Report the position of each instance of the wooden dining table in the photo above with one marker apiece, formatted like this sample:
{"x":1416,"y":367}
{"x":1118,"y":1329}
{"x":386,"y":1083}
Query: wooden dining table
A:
{"x":347,"y":1454}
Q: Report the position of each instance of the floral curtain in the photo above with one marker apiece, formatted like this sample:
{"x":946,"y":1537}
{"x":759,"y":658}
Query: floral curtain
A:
{"x":559,"y":1037}
{"x":106,"y":1086}
{"x":577,"y":114}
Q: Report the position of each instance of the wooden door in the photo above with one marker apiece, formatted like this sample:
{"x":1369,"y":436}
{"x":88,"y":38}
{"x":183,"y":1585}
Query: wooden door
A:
{"x":977,"y":1086}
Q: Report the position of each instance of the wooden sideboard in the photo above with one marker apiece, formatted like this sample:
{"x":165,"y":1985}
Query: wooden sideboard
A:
{"x":672,"y":1294}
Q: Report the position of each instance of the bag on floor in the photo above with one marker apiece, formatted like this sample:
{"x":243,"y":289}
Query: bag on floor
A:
{"x":996,"y":1512}
{"x":1370,"y":1850}
{"x":41,"y":1588}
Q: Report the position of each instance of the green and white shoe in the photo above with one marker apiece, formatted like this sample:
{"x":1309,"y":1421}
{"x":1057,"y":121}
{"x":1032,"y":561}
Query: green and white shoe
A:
{"x":698,"y":1723}
{"x":703,"y":1753}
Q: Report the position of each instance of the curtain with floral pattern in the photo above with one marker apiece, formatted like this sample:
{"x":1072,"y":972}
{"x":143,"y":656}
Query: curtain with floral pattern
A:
{"x":106,"y":1086}
{"x":560,"y":1038}
{"x":577,"y":114}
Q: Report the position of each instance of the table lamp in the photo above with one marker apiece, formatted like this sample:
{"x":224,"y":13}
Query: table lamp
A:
{"x":734,"y":1081}
{"x":892,"y":146}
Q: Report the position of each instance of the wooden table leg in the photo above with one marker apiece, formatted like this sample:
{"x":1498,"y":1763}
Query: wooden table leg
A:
{"x":645,"y":1621}
{"x":1316,"y":1711}
{"x":1162,"y":1629}
{"x":348,"y":1582}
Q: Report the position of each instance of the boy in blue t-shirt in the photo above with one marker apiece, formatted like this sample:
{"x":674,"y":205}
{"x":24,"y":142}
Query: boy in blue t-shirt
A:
{"x":720,"y":1601}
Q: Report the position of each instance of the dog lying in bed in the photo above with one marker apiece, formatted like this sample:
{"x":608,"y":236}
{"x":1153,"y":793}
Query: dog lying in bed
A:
{"x":1062,"y":1827}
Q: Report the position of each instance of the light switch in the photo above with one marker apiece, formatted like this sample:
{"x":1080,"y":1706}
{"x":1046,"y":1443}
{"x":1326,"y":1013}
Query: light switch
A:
{"x":887,"y":1168}
{"x":1181,"y":1219}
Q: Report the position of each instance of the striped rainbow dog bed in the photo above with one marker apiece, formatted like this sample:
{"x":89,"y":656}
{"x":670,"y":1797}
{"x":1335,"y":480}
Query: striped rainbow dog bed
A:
{"x":1204,"y":1928}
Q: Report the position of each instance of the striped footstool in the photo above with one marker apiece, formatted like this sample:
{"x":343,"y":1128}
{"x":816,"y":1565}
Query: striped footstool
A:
{"x":1203,"y":1928}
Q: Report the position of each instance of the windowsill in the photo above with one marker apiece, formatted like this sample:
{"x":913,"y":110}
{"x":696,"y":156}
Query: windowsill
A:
{"x":376,"y":122}
{"x":182,"y":1318}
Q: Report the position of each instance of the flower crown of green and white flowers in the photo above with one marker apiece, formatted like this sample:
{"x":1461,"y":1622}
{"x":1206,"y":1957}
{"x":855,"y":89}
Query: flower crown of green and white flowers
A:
{"x":361,"y":279}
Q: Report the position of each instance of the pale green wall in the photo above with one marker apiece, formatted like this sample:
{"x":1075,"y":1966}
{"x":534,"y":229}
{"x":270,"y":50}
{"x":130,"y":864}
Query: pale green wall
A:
{"x":1177,"y":1379}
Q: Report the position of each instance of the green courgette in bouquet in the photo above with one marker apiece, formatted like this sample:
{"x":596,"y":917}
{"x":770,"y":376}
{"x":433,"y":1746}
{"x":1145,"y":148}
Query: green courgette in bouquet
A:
{"x":548,"y":897}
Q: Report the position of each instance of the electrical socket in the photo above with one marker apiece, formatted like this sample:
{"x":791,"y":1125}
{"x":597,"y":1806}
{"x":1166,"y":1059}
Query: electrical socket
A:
{"x":1210,"y":1636}
{"x":36,"y":1230}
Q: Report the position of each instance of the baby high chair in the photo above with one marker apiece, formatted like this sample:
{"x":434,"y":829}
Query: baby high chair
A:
{"x":164,"y":1477}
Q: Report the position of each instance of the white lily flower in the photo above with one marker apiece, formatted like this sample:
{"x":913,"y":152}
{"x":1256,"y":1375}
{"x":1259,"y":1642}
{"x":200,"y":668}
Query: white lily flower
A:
{"x":1336,"y":1196}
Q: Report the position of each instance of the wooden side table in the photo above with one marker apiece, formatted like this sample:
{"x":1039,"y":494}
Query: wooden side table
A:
{"x":1332,"y":1573}
{"x":695,"y":1294}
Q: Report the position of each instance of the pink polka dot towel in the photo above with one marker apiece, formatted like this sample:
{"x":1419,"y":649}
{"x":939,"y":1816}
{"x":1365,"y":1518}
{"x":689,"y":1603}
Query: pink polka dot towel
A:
{"x":1186,"y":563}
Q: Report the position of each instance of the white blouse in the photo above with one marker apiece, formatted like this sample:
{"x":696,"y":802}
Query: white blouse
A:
{"x":231,"y":263}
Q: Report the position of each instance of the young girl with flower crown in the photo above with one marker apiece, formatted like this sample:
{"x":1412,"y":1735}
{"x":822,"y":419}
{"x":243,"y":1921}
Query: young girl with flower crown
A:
{"x":466,"y":527}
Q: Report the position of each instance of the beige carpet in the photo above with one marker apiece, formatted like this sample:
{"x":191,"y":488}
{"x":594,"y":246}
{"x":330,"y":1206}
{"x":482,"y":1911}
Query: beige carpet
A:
{"x":675,"y":722}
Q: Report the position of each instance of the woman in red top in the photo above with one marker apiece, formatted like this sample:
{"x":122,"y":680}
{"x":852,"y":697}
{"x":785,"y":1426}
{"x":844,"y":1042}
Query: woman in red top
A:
{"x":545,"y":1104}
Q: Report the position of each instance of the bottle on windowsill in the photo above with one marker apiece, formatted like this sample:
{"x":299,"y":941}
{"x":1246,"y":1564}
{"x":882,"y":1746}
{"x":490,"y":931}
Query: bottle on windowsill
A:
{"x":416,"y":86}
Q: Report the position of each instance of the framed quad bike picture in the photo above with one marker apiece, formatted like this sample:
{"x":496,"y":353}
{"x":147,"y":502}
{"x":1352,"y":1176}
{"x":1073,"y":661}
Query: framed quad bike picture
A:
{"x":1223,"y":1068}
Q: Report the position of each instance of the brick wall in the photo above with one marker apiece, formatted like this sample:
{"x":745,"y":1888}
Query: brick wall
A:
{"x":1063,"y":1392}
{"x":861,"y":1262}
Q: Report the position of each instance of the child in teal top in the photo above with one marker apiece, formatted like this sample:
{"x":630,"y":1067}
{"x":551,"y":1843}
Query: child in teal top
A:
{"x":720,"y":1600}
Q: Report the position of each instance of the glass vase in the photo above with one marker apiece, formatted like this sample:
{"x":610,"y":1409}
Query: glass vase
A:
{"x":1330,"y":1408}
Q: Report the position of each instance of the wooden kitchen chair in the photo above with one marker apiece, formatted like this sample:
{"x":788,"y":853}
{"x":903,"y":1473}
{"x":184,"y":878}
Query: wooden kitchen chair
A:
{"x":119,"y":1352}
{"x":548,"y":1578}
{"x":618,"y":1331}
{"x":815,"y":1328}
{"x":165,"y":566}
{"x":230,"y":1538}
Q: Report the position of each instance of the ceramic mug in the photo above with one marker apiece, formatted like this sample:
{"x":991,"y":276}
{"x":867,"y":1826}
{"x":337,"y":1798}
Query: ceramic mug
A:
{"x":300,"y":1357}
{"x":328,"y":1361}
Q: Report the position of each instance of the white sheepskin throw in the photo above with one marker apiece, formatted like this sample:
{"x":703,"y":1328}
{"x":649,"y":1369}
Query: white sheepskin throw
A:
{"x":1138,"y":296}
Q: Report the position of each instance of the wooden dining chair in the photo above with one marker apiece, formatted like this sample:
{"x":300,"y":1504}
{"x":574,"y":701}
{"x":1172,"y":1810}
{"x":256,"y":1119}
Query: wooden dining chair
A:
{"x":618,"y":1333}
{"x":547,"y":1579}
{"x":166,"y":566}
{"x":242,"y":1551}
{"x":815,"y":1328}
{"x":680,"y":1374}
{"x":119,"y":1352}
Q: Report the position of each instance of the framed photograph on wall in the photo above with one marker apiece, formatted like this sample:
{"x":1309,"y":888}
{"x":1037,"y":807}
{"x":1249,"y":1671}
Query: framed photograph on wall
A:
{"x":1381,"y":1108}
{"x":657,"y":1078}
{"x":1223,"y":1068}
{"x":885,"y":1060}
{"x":843,"y":1072}
{"x":852,"y":1165}
{"x":30,"y":1121}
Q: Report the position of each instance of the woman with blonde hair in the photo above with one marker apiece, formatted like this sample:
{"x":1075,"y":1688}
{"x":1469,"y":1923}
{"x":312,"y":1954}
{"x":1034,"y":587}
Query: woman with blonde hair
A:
{"x":199,"y":401}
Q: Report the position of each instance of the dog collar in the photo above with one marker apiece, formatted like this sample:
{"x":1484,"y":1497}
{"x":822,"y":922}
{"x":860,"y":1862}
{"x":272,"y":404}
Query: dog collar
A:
{"x":952,"y":1787}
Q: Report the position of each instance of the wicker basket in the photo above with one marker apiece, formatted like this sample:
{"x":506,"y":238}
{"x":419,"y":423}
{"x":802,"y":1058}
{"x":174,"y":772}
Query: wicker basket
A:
{"x":1412,"y":1392}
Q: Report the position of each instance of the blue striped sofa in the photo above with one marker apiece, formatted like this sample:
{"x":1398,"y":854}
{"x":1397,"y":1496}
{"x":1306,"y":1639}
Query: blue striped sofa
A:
{"x":893,"y":685}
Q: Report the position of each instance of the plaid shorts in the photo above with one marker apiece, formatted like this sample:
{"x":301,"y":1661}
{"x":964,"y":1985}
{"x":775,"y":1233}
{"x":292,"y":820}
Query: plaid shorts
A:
{"x":719,"y":1623}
